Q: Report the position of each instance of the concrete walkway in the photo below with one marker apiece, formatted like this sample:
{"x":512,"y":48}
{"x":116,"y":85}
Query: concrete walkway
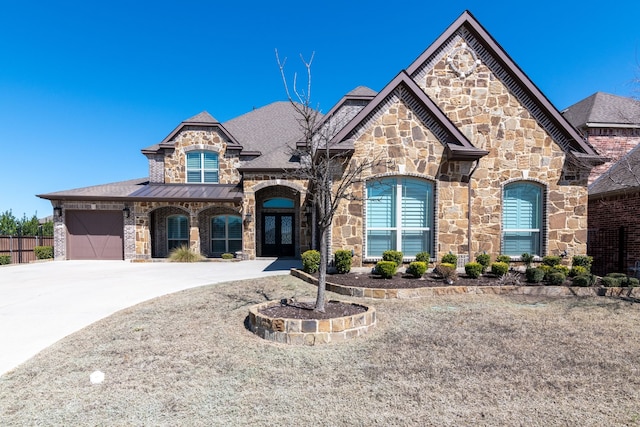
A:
{"x":42,"y":303}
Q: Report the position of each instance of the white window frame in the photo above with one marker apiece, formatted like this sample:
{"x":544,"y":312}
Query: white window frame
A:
{"x":202,"y":170}
{"x":399,"y":228}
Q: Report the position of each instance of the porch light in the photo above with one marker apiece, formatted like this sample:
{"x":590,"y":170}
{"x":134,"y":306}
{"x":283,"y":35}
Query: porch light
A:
{"x":57,"y":211}
{"x":126,"y":211}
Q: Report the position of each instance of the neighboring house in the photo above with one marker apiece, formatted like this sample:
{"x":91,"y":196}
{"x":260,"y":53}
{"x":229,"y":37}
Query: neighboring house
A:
{"x":614,"y":220}
{"x":477,"y":160}
{"x":610,"y":123}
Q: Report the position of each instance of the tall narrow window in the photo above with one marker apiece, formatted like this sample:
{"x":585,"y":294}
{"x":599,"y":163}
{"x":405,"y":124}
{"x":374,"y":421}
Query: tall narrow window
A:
{"x":522,"y":219}
{"x":177,"y":231}
{"x":399,"y":216}
{"x":202,"y":167}
{"x":226,"y":234}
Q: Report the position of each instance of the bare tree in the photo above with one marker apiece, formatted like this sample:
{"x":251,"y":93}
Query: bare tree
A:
{"x":330,"y":172}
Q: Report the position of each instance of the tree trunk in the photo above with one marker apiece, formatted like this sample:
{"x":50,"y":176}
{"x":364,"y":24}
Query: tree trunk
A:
{"x":322,"y":272}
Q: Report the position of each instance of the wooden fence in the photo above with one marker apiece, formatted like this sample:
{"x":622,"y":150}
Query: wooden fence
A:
{"x":21,"y":248}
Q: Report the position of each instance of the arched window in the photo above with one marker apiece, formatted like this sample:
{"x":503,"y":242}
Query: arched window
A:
{"x":278,"y":203}
{"x":522,"y":219}
{"x":177,"y":231}
{"x":202,"y":167}
{"x":399,"y":216}
{"x":226,"y":234}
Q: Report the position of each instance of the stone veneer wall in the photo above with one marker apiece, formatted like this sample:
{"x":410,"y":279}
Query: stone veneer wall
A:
{"x":199,"y":213}
{"x":493,"y":119}
{"x":193,"y":138}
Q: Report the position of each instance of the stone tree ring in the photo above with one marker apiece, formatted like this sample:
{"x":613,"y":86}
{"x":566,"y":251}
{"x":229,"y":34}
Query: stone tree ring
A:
{"x":463,"y":60}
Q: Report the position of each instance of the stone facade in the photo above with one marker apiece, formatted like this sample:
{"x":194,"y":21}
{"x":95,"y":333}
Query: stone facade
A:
{"x":493,"y":119}
{"x":462,"y":118}
{"x":193,"y":139}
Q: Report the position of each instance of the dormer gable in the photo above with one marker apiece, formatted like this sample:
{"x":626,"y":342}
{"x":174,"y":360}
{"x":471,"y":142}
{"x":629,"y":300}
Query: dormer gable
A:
{"x":200,"y":144}
{"x":403,"y":88}
{"x":463,"y":48}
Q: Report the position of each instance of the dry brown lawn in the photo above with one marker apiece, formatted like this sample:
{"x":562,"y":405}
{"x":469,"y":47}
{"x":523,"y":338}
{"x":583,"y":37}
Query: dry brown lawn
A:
{"x":187,"y":359}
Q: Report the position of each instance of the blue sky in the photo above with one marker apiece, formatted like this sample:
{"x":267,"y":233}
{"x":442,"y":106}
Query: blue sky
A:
{"x":85,"y":85}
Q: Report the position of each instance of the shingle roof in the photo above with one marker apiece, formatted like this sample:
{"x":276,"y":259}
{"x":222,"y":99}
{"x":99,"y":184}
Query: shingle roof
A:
{"x":604,"y":108}
{"x":141,"y":190}
{"x":622,"y":176}
{"x":266,"y":128}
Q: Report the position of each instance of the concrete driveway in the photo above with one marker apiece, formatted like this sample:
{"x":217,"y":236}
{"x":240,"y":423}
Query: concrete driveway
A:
{"x":43,"y":302}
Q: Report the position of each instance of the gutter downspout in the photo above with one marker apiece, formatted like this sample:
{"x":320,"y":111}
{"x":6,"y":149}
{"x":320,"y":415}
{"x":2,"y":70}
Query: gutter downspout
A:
{"x":469,"y":209}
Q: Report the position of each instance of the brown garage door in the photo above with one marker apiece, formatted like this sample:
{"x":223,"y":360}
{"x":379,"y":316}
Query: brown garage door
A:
{"x":95,"y":234}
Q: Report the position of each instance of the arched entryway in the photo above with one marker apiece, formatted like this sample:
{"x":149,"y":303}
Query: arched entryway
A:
{"x":277,"y":224}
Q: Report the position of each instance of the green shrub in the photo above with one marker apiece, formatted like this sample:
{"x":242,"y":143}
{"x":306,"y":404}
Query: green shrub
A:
{"x":547,"y":270}
{"x":343,"y":259}
{"x":578,"y":270}
{"x":610,"y":282}
{"x":484,"y":260}
{"x":582,"y":261}
{"x":184,"y":254}
{"x":583,"y":280}
{"x":551,"y":260}
{"x":561,"y":269}
{"x":227,"y":255}
{"x":473,"y":269}
{"x":423,"y":257}
{"x":504,"y":258}
{"x":310,"y":261}
{"x":527,"y":259}
{"x":417,"y":268}
{"x":447,"y":271}
{"x":617,"y":275}
{"x":534,"y":275}
{"x":450,"y":259}
{"x":387,"y":269}
{"x":395,"y":256}
{"x":499,"y":268}
{"x":556,"y":278}
{"x":43,"y":252}
{"x":631,"y":282}
{"x":5,"y":259}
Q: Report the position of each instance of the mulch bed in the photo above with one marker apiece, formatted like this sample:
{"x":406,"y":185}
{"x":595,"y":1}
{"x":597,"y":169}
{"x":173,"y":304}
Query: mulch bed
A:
{"x":305,"y":310}
{"x":402,"y":281}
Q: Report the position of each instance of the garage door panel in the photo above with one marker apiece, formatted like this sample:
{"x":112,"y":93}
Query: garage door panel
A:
{"x":95,"y":235}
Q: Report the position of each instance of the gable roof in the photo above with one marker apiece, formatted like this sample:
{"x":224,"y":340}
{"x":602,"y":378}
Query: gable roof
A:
{"x":623,"y":176}
{"x":201,"y":120}
{"x":457,"y":145}
{"x":497,"y":59}
{"x":604,"y":110}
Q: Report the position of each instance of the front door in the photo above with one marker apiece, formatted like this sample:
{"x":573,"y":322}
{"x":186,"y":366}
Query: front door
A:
{"x":277,"y":234}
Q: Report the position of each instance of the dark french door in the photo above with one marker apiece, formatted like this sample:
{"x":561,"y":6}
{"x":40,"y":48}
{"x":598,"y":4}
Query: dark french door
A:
{"x":277,"y":234}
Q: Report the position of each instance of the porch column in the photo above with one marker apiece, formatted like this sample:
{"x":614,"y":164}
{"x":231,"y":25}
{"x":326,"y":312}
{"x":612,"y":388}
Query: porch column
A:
{"x":194,"y":233}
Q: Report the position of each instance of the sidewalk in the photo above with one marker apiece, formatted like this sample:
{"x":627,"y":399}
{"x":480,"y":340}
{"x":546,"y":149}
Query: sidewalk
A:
{"x":42,"y":303}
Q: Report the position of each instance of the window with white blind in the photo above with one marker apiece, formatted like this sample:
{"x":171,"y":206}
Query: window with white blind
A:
{"x":399,"y":216}
{"x":177,"y":231}
{"x":522,"y":219}
{"x":202,"y":167}
{"x":226,"y":234}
